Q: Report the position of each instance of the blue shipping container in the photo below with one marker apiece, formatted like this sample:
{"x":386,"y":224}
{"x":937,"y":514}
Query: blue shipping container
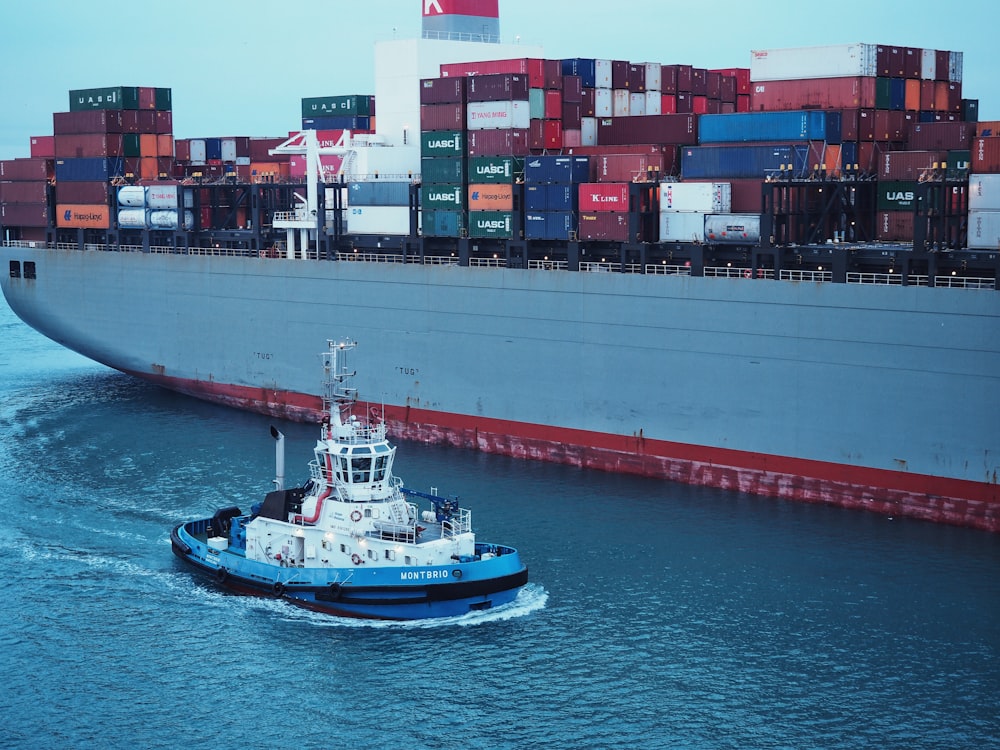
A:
{"x":897,"y":94}
{"x":750,"y":127}
{"x":442,"y":223}
{"x":213,"y":148}
{"x":583,"y":67}
{"x":540,"y":170}
{"x":561,"y":197}
{"x":96,"y":169}
{"x":536,"y":197}
{"x":549,"y":225}
{"x":833,"y":121}
{"x":336,"y":123}
{"x":848,"y":154}
{"x":378,"y":193}
{"x":699,"y":162}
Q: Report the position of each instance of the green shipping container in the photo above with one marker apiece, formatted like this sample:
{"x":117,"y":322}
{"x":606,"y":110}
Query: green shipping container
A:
{"x":353,"y":105}
{"x":536,"y":104}
{"x":505,"y":169}
{"x":445,"y":197}
{"x":130,"y":144}
{"x":442,"y":223}
{"x":164,"y":100}
{"x":442,"y":171}
{"x":110,"y":97}
{"x":442,"y":143}
{"x":896,"y":195}
{"x":492,"y":224}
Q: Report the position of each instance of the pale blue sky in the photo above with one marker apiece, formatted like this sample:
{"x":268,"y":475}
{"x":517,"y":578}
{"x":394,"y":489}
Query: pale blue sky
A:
{"x":241,"y":67}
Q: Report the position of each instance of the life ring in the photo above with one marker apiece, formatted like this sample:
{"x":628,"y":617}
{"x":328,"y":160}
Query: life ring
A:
{"x":356,"y":558}
{"x":278,"y":588}
{"x":746,"y":274}
{"x":221,"y":574}
{"x":355,"y":515}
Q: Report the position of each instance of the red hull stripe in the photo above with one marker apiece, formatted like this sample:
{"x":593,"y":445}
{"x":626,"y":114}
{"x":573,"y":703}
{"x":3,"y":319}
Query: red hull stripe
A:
{"x":940,"y":499}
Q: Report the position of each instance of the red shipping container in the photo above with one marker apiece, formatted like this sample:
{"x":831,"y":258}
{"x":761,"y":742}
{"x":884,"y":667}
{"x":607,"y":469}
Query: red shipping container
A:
{"x":948,"y":136}
{"x":587,"y":105}
{"x":612,"y":227}
{"x":912,"y":61}
{"x":954,"y":98}
{"x":668,"y":79}
{"x":699,"y":81}
{"x":631,"y":148}
{"x":147,"y":97}
{"x":889,"y":61}
{"x":572,"y":89}
{"x":503,"y":142}
{"x":743,"y":102}
{"x":23,"y":192}
{"x":552,"y":74}
{"x":259,"y":148}
{"x":727,"y":108}
{"x":572,"y":137}
{"x":88,"y":145}
{"x":674,"y":129}
{"x":82,"y":192}
{"x":603,"y":196}
{"x":442,"y":90}
{"x":619,"y":74}
{"x":553,"y":105}
{"x":163,"y":122}
{"x":890,"y":125}
{"x":43,"y":147}
{"x":727,"y":88}
{"x":699,"y":104}
{"x":668,"y":104}
{"x":685,"y":78}
{"x":533,"y":68}
{"x":713,"y":85}
{"x":498,"y":88}
{"x":88,"y":121}
{"x":986,"y":154}
{"x":571,"y":117}
{"x":742,"y":76}
{"x":24,"y":214}
{"x":814,"y":93}
{"x":910,"y":165}
{"x":636,"y":78}
{"x":635,"y":167}
{"x":684,"y":104}
{"x":27,"y":169}
{"x":894,"y":226}
{"x":182,"y":149}
{"x":442,"y":116}
{"x":545,"y":134}
{"x":941,"y":64}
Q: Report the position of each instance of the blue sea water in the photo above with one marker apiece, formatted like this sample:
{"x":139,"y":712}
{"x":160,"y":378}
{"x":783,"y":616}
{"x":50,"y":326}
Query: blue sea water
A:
{"x":659,"y":615}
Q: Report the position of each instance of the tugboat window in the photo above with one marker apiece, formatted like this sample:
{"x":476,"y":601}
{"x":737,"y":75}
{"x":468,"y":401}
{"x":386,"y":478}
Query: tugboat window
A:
{"x":362,"y":467}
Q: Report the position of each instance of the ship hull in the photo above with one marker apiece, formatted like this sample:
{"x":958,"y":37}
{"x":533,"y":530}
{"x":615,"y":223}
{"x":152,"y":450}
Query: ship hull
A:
{"x":883,"y":398}
{"x":418,"y":593}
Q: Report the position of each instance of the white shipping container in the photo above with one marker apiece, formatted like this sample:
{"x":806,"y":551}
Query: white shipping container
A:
{"x":984,"y":230}
{"x":588,"y":131}
{"x":603,"y":105}
{"x":637,"y":105}
{"x":620,"y":102}
{"x":654,"y":103}
{"x":229,"y":150}
{"x":928,"y":64}
{"x":682,"y":226}
{"x":984,"y":192}
{"x":198,"y":153}
{"x":654,"y":76}
{"x":602,"y":74}
{"x":378,"y":220}
{"x":955,"y":67}
{"x":732,"y":228}
{"x":703,"y":197}
{"x":830,"y":61}
{"x":490,"y":115}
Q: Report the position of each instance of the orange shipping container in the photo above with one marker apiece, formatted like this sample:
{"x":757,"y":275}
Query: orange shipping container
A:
{"x":148,"y":167}
{"x":165,"y":145}
{"x":911,"y":95}
{"x":86,"y":216}
{"x":494,"y":196}
{"x":987,"y":128}
{"x":147,"y":144}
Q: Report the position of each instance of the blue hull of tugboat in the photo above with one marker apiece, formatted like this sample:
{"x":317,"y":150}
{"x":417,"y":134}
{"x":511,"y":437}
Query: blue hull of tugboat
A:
{"x":397,"y":593}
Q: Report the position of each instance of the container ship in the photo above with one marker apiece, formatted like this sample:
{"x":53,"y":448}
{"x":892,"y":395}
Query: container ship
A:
{"x":778,"y":279}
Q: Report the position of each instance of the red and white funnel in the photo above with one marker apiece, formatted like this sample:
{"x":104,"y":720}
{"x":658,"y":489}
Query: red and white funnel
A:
{"x":462,"y":20}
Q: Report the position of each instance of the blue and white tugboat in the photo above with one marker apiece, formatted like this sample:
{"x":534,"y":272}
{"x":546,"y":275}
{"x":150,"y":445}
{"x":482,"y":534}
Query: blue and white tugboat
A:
{"x":350,"y":542}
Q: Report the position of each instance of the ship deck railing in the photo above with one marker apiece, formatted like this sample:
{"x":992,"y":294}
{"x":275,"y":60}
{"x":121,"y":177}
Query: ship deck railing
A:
{"x":360,"y":257}
{"x":548,"y":265}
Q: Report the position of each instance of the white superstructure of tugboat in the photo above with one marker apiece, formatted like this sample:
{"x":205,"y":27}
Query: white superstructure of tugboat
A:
{"x":351,"y":542}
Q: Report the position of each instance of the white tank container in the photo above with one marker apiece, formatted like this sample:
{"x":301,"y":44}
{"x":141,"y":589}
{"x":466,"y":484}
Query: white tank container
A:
{"x":734,"y":228}
{"x":168,"y":220}
{"x":132,"y":196}
{"x":132,"y":218}
{"x":161,"y":196}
